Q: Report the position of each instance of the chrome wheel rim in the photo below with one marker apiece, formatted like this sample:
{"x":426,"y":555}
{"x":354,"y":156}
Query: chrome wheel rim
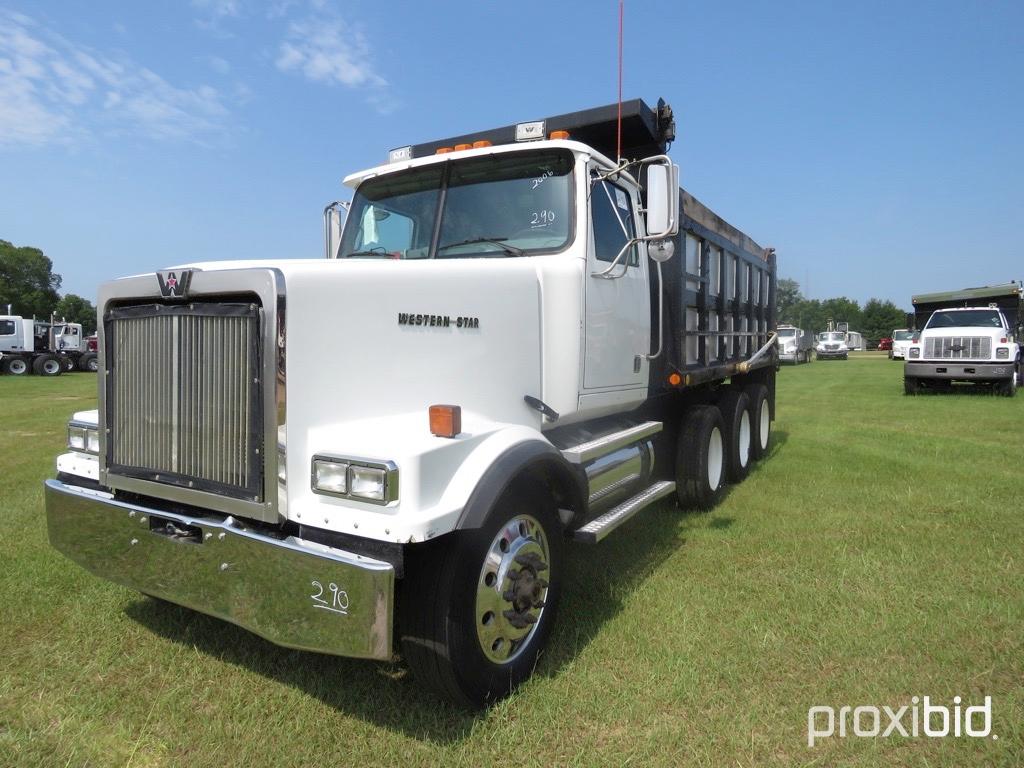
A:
{"x":51,"y":367}
{"x":512,"y":589}
{"x":17,"y":367}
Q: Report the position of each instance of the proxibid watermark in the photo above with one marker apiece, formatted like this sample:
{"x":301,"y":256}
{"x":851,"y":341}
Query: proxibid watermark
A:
{"x":910,"y":720}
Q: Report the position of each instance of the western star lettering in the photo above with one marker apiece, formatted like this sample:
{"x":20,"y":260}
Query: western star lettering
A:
{"x":438,"y":321}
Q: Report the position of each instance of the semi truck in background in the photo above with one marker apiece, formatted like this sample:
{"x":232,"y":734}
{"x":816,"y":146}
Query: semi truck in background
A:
{"x":538,"y":340}
{"x":47,"y":348}
{"x":967,"y":336}
{"x":795,"y":344}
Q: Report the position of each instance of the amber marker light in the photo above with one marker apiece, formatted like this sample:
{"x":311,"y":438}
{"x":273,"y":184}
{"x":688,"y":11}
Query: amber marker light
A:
{"x":445,"y":420}
{"x":460,"y":147}
{"x":481,"y":144}
{"x":559,"y":135}
{"x":675,"y":379}
{"x":442,"y":150}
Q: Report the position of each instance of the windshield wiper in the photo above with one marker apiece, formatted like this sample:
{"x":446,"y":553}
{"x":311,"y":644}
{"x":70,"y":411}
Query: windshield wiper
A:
{"x":511,"y":250}
{"x":377,"y":250}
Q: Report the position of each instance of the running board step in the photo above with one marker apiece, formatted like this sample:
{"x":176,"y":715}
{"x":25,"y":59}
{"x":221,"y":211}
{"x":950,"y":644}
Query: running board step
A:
{"x":599,"y":527}
{"x":601,"y":446}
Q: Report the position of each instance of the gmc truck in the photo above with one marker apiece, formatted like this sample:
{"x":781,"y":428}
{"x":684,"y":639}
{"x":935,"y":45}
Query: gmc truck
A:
{"x":971,"y":336}
{"x":538,"y":338}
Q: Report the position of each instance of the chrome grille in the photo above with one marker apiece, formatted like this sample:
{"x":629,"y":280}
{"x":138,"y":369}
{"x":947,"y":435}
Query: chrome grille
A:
{"x":183,"y":396}
{"x":958,"y":348}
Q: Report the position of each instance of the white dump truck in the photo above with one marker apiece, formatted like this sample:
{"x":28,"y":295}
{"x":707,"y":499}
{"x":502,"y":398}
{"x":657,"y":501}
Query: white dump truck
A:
{"x":795,"y":344}
{"x":968,"y":336}
{"x":534,"y":341}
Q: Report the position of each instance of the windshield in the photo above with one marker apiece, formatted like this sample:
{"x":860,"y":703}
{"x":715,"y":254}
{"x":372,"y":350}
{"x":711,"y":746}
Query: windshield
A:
{"x":902,"y":335}
{"x":974,"y":318}
{"x":833,"y":336}
{"x":786,"y":332}
{"x":509,"y":204}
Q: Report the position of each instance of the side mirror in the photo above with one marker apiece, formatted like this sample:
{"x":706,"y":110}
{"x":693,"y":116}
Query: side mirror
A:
{"x":662,"y":199}
{"x":334,"y":220}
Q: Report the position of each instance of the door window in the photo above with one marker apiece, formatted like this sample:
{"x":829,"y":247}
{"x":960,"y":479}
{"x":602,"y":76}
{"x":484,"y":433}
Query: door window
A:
{"x":613,"y":223}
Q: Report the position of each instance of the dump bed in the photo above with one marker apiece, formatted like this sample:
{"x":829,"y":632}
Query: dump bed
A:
{"x":1009,"y":297}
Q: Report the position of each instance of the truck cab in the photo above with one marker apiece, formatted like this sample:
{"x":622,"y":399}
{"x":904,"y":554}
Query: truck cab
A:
{"x":832,"y":346}
{"x":901,"y":340}
{"x":795,"y":344}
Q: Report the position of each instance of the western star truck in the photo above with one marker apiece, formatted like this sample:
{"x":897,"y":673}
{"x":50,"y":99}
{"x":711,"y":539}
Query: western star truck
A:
{"x":971,"y":335}
{"x":535,"y":341}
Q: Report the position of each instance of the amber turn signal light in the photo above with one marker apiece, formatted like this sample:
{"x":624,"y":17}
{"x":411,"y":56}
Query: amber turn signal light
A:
{"x":445,"y":420}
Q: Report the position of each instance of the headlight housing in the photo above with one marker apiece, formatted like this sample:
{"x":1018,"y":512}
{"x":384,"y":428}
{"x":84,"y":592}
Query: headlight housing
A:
{"x":375,"y":482}
{"x":914,"y":352}
{"x":1002,"y":353}
{"x":84,"y":438}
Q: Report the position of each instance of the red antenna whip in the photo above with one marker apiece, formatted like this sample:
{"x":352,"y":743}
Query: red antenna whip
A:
{"x":618,"y":147}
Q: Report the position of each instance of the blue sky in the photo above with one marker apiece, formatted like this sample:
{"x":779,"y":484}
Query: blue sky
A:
{"x":877,"y":146}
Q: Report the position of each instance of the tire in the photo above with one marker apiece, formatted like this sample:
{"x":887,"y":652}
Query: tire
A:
{"x":911,"y":386}
{"x":761,"y":420}
{"x":67,"y":363}
{"x":700,"y":458}
{"x":15,"y":366}
{"x":89,"y":362}
{"x":459,"y":634}
{"x":1008,"y":388}
{"x":739,"y":433}
{"x":47,"y":365}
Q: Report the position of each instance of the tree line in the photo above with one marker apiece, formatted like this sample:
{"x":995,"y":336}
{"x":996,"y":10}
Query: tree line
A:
{"x":31,"y":287}
{"x":875,"y":320}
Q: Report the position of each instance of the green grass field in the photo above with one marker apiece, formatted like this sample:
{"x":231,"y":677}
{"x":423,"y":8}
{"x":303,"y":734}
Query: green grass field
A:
{"x":875,"y":556}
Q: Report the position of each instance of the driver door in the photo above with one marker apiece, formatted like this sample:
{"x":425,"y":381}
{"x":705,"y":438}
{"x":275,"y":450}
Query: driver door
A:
{"x":617,"y":316}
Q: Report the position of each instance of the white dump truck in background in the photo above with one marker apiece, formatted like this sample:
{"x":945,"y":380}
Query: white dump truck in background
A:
{"x":45,"y":348}
{"x":901,"y":340}
{"x":535,"y":342}
{"x":968,"y":336}
{"x":795,"y":344}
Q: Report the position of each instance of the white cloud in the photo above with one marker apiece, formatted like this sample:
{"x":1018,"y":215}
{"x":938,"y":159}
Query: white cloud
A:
{"x":55,"y":91}
{"x":328,"y":50}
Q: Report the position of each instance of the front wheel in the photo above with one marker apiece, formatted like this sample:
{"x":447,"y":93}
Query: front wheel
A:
{"x":911,"y":386}
{"x":476,"y":610}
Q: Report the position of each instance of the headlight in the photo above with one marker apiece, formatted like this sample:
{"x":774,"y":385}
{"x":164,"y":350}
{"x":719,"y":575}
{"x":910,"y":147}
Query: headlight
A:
{"x":368,"y":483}
{"x":372,"y":481}
{"x":330,"y":476}
{"x":914,"y":352}
{"x":1003,"y":353}
{"x":83,"y":438}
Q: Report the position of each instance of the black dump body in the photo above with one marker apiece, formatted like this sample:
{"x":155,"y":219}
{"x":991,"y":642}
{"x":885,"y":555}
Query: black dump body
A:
{"x":1007,"y":296}
{"x":719,"y":287}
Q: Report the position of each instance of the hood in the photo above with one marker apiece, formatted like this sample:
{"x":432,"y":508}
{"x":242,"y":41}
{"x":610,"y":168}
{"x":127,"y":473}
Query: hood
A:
{"x":370,"y":339}
{"x":965,"y":330}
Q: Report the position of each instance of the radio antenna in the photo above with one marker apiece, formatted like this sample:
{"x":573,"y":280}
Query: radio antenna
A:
{"x":618,"y":127}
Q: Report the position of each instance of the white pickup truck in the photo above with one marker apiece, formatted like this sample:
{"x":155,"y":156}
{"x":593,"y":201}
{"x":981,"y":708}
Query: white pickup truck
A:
{"x":964,"y":344}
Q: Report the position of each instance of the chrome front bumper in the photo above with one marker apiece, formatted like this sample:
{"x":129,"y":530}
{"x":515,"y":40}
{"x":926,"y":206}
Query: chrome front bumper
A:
{"x":959,"y":369}
{"x":292,"y":592}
